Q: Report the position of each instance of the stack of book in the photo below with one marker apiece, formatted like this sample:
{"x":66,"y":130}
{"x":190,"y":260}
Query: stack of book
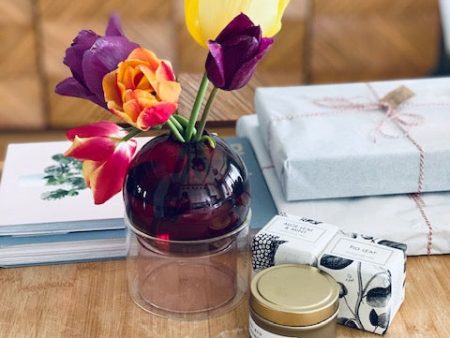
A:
{"x":47,"y":214}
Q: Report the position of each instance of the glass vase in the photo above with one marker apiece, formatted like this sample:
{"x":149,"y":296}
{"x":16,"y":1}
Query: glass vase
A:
{"x":188,"y":213}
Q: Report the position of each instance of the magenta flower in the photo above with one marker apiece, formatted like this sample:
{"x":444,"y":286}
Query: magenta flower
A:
{"x":105,"y":157}
{"x":90,"y":58}
{"x":233,"y":56}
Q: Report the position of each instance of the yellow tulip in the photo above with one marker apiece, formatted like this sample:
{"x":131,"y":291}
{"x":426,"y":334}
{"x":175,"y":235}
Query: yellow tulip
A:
{"x":205,"y":19}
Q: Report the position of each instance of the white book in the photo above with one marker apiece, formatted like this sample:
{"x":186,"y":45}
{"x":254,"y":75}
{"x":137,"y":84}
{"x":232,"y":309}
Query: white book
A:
{"x":42,"y":192}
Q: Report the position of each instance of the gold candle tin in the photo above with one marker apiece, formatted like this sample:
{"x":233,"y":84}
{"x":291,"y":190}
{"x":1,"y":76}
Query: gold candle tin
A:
{"x":293,"y":300}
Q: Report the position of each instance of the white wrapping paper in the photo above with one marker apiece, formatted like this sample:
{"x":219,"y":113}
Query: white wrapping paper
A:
{"x":330,"y":141}
{"x":395,"y":218}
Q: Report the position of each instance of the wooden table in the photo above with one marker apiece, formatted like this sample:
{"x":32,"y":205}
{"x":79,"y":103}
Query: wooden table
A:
{"x":92,"y":300}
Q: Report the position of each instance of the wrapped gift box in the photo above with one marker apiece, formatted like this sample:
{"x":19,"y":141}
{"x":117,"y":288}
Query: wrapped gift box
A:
{"x":371,"y":276}
{"x":332,"y":141}
{"x":397,"y":218}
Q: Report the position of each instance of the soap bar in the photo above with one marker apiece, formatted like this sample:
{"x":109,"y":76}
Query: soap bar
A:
{"x":290,"y":239}
{"x":371,"y":276}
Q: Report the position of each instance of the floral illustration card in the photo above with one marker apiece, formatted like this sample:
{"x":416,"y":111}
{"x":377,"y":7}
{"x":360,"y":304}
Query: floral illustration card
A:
{"x":41,"y":191}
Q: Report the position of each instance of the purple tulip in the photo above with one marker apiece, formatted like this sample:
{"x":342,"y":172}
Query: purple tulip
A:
{"x":233,"y":56}
{"x":90,"y":58}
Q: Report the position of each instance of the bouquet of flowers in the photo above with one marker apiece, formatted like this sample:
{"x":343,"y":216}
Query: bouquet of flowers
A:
{"x":142,"y":90}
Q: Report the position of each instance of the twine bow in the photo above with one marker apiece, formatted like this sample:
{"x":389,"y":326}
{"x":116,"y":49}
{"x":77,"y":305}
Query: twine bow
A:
{"x":388,"y":104}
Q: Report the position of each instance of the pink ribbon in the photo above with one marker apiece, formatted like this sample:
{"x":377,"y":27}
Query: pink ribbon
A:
{"x":403,"y":120}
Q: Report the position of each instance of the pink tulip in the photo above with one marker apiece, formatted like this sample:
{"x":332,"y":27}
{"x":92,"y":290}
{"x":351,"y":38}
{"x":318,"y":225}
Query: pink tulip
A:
{"x":105,"y":157}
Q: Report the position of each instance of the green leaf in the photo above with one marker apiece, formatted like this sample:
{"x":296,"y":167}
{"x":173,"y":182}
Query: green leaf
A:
{"x":54,"y":170}
{"x":57,"y":157}
{"x":54,"y":195}
{"x":73,"y":192}
{"x":77,"y":182}
{"x":210,"y":140}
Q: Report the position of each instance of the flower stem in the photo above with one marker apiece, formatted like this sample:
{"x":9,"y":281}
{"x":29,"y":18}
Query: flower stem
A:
{"x":175,"y":131}
{"x":183,"y":121}
{"x":196,"y":108}
{"x":176,"y":124}
{"x":132,"y":133}
{"x":209,"y":103}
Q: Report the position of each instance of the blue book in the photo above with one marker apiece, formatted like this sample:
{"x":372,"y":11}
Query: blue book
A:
{"x":62,"y":248}
{"x":262,"y":204}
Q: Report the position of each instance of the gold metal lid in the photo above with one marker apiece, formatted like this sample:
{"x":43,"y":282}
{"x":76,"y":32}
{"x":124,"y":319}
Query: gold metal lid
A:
{"x":294,"y":295}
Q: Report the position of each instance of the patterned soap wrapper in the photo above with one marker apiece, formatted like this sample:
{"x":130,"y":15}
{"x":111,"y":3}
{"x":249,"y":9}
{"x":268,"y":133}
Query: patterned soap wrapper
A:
{"x":290,"y":239}
{"x":371,"y":275}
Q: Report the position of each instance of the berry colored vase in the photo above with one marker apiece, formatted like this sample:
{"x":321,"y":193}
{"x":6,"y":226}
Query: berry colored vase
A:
{"x":187,"y":210}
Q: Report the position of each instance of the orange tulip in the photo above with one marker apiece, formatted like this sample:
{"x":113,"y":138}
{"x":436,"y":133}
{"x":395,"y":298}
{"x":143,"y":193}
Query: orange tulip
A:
{"x":142,"y":90}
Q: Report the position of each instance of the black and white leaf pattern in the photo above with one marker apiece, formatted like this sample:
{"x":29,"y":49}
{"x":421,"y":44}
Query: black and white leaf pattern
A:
{"x":383,"y":320}
{"x":395,"y":245}
{"x":311,"y":221}
{"x":353,"y":235}
{"x":368,"y":238}
{"x":379,"y":297}
{"x":379,"y":320}
{"x":343,"y":291}
{"x":334,"y":262}
{"x":373,"y":317}
{"x":348,"y":322}
{"x":264,"y":248}
{"x":388,"y":319}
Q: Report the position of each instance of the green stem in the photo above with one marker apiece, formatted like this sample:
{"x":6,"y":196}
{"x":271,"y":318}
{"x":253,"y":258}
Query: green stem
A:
{"x":175,"y":131}
{"x":176,"y":124}
{"x":181,"y":119}
{"x":184,"y":122}
{"x":196,"y":108}
{"x":133,"y":132}
{"x":209,"y":103}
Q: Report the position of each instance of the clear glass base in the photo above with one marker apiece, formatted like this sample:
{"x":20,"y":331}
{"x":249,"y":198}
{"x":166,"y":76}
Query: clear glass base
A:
{"x":188,"y":279}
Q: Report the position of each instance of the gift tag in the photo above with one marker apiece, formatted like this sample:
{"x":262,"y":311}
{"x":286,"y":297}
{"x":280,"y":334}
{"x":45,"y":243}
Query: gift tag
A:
{"x":396,"y":97}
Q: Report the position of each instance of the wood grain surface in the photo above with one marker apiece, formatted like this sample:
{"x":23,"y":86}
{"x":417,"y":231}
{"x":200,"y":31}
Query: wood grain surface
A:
{"x":21,"y":95}
{"x":92,"y":300}
{"x":322,"y":41}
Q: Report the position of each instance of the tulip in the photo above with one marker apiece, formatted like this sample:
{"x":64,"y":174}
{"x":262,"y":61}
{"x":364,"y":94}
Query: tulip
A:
{"x":206,"y":18}
{"x":142,"y":90}
{"x":233,"y":56}
{"x":90,"y":58}
{"x":105,"y":157}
